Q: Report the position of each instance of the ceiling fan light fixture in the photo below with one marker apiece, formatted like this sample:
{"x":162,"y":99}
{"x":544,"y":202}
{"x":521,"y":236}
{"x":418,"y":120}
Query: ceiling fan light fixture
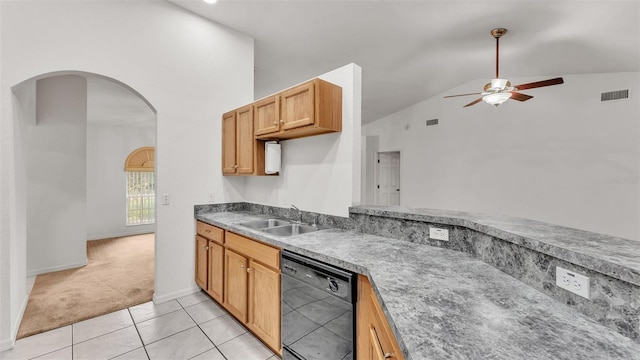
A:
{"x":496,"y":99}
{"x":499,"y":84}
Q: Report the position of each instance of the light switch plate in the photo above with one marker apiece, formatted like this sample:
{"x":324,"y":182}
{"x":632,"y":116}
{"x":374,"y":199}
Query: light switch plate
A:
{"x":166,"y":199}
{"x":438,"y":234}
{"x":573,"y":282}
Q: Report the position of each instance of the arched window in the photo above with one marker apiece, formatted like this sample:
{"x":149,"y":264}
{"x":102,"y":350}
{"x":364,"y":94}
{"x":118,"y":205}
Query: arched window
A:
{"x":141,"y":185}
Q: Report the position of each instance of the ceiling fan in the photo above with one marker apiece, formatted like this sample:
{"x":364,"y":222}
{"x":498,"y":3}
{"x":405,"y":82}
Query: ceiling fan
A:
{"x":500,"y":90}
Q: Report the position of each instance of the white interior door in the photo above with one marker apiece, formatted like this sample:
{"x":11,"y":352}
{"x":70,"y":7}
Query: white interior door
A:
{"x":388,"y":178}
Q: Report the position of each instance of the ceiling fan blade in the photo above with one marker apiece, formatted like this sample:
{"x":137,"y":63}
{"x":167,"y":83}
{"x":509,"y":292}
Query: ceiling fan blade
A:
{"x":537,"y":84}
{"x":519,"y":96}
{"x":450,"y":96}
{"x":473,"y":102}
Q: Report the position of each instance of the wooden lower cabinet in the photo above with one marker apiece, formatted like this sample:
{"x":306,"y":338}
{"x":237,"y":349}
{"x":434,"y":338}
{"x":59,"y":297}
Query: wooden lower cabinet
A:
{"x":202,"y":266}
{"x":375,"y":340}
{"x":235,"y":284}
{"x":209,"y":259}
{"x":264,"y":303}
{"x":215,"y":285}
{"x":252,"y":287}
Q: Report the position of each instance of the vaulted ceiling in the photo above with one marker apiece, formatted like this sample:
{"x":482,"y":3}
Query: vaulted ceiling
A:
{"x":413,"y":50}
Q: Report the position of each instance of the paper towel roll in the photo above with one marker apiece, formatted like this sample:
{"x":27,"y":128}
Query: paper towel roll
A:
{"x":272,"y":157}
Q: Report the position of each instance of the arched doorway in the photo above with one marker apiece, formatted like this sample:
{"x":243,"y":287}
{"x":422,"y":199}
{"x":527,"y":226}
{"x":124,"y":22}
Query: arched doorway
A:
{"x":74,"y":127}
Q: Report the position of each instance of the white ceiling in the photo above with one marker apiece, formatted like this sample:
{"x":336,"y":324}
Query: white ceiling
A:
{"x":413,"y":50}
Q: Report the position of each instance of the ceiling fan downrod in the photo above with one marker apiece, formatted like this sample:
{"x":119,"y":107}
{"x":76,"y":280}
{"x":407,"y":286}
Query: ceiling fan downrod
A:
{"x":497,"y":33}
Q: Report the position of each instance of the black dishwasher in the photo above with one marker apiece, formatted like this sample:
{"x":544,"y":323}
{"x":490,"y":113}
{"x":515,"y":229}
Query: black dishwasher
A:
{"x":318,"y":310}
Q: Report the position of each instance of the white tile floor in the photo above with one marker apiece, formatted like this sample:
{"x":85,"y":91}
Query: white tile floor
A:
{"x":192,"y":327}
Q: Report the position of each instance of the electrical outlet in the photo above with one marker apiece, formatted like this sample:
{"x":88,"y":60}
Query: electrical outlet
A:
{"x":211,"y":197}
{"x":166,"y":199}
{"x":573,"y":282}
{"x":438,"y":234}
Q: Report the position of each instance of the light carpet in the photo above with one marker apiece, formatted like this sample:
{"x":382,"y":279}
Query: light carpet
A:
{"x":119,"y":274}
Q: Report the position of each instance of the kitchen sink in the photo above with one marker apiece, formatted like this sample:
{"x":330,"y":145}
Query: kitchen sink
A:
{"x":278,"y":227}
{"x":264,"y":224}
{"x":290,"y":230}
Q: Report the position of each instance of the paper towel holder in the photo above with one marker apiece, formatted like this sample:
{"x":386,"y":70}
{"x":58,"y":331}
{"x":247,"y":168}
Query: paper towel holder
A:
{"x":272,"y":157}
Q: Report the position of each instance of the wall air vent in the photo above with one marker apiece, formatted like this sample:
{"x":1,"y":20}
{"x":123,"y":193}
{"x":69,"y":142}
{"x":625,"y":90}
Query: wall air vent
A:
{"x":614,"y":95}
{"x":432,"y":122}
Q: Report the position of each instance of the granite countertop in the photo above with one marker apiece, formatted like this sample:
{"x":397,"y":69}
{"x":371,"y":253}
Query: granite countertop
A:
{"x":444,"y":304}
{"x":613,"y":256}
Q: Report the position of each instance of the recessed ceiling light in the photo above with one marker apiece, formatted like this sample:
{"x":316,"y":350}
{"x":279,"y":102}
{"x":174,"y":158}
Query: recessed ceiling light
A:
{"x":210,"y":1}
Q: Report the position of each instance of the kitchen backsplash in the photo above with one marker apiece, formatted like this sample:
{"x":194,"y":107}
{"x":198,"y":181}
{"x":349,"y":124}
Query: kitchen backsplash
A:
{"x":614,"y":303}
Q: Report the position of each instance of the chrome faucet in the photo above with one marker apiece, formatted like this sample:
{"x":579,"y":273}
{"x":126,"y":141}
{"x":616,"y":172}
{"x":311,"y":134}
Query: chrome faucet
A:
{"x":297,"y":212}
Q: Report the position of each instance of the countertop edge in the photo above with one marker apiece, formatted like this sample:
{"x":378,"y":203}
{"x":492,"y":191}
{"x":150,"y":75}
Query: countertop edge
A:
{"x":356,"y":268}
{"x":468,"y":220}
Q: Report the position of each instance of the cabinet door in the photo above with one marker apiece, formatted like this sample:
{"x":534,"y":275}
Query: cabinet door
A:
{"x":202,"y":251}
{"x":235,"y":284}
{"x":298,"y":106}
{"x":216,"y":271}
{"x":375,"y":340}
{"x":264,"y":304}
{"x":244,"y":140}
{"x":229,"y":164}
{"x":266,"y":114}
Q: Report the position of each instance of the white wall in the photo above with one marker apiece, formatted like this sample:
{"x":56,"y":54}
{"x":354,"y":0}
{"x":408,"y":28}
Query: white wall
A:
{"x":562,"y":157}
{"x":13,"y":261}
{"x":55,"y":157}
{"x":189,"y":69}
{"x":319,"y":173}
{"x":107,"y":148}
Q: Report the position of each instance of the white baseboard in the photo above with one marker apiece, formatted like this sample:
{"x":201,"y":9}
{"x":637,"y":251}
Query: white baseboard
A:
{"x":120,"y":234}
{"x":35,"y":272}
{"x":159,"y":299}
{"x":8,"y":344}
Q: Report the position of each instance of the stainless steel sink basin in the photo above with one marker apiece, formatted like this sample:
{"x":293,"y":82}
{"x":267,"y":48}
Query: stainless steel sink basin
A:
{"x":264,"y":224}
{"x":290,"y":230}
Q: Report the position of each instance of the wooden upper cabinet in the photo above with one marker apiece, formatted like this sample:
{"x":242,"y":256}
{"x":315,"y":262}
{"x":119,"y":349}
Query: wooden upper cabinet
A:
{"x":267,"y":115}
{"x":311,"y":108}
{"x":298,"y":106}
{"x":229,"y":143}
{"x":245,"y":154}
{"x":242,"y":154}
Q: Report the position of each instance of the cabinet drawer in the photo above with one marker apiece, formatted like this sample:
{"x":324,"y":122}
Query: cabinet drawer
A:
{"x":210,"y":232}
{"x":263,"y":253}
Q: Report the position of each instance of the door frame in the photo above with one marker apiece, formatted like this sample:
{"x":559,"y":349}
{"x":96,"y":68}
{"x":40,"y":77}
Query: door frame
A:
{"x":376,"y":189}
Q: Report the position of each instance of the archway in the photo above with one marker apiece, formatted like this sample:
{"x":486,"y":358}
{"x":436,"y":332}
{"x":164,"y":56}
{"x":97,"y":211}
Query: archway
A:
{"x":68,"y":184}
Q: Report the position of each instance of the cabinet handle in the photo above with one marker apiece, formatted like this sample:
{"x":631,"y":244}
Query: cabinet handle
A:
{"x":207,"y":231}
{"x":281,"y":121}
{"x":241,"y":266}
{"x":205,"y":247}
{"x":275,"y":123}
{"x":375,"y":333}
{"x":235,"y":166}
{"x":249,"y":270}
